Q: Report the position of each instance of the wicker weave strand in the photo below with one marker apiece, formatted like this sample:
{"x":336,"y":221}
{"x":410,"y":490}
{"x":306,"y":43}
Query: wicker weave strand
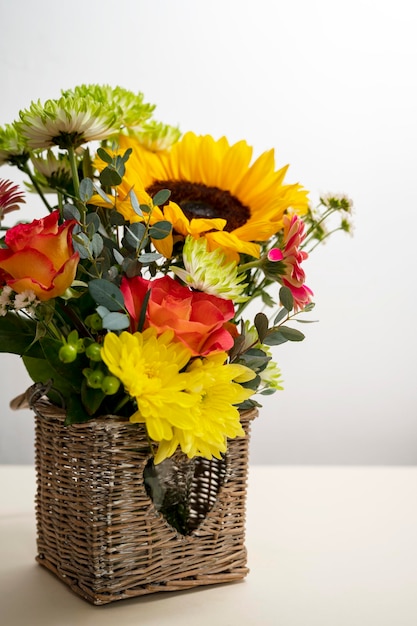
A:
{"x":98,"y":529}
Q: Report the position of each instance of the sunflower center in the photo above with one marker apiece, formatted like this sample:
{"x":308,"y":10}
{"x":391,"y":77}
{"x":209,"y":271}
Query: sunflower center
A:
{"x":200,"y":201}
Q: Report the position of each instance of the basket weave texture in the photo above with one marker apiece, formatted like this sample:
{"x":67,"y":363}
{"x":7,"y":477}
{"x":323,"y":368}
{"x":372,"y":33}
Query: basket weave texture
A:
{"x":99,"y":531}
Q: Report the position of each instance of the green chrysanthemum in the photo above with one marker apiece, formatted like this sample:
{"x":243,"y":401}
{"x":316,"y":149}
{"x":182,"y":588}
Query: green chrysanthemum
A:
{"x":53,"y":171}
{"x":210,"y":272}
{"x":67,"y":123}
{"x":157,"y":136}
{"x":13,"y":147}
{"x":131,"y":111}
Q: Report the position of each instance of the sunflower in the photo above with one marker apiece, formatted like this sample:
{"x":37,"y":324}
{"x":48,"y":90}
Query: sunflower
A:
{"x":212,"y":179}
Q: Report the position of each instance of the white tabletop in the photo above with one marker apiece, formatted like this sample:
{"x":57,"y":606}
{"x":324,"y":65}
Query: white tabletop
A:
{"x":332,"y":546}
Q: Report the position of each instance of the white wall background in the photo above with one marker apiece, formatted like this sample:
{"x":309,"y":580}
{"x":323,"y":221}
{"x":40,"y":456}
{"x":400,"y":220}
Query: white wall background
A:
{"x":332,"y":86}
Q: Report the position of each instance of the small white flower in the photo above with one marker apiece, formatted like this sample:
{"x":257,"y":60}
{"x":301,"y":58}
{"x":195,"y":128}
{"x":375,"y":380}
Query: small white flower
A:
{"x":5,"y":296}
{"x":24,"y":300}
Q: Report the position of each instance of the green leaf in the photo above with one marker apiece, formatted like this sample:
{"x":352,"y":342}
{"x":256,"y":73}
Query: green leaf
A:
{"x":292,"y":334}
{"x":286,"y":298}
{"x":135,"y":203}
{"x":91,"y":398}
{"x":281,"y":314}
{"x":267,"y":299}
{"x":96,"y":245}
{"x":110,"y":178}
{"x":81,"y":245}
{"x":119,"y":258}
{"x":126,"y":155}
{"x":16,"y":334}
{"x":261,"y":325}
{"x":255,"y":359}
{"x":134,"y":234}
{"x":93,"y":222}
{"x":115,"y":321}
{"x":160,"y":230}
{"x":86,"y":189}
{"x":106,"y":293}
{"x":103,"y":195}
{"x":144,"y":306}
{"x":70,"y":212}
{"x":149,"y":257}
{"x":104,"y":156}
{"x":161,"y":197}
{"x":275,"y":338}
{"x":75,"y":411}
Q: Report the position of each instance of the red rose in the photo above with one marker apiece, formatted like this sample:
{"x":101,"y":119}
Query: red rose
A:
{"x":39,"y":257}
{"x":198,"y":319}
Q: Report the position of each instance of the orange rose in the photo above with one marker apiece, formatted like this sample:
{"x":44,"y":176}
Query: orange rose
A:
{"x":39,"y":257}
{"x":199,"y":320}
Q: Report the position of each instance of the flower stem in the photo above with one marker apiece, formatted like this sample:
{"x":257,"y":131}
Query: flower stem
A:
{"x":26,"y":170}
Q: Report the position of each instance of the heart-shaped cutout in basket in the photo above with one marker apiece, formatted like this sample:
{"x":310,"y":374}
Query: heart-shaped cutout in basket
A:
{"x":184,"y":490}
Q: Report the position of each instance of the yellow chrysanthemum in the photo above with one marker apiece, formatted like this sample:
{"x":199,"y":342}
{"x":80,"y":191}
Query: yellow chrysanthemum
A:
{"x":212,"y":179}
{"x":214,"y":418}
{"x":149,"y":368}
{"x":192,"y":409}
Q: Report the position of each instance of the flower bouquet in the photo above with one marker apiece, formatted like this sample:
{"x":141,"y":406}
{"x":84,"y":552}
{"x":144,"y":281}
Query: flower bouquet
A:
{"x":127,"y":304}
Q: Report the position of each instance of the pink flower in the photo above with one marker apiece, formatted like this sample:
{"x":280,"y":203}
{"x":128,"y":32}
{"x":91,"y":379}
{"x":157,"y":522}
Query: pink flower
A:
{"x":275,"y":254}
{"x":10,"y":197}
{"x":293,"y":256}
{"x":199,"y":320}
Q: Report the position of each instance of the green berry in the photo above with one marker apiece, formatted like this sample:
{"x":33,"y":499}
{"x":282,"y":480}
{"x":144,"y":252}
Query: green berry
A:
{"x":110,"y":385}
{"x":67,"y":353}
{"x":94,"y":378}
{"x":94,"y":321}
{"x":93,"y":352}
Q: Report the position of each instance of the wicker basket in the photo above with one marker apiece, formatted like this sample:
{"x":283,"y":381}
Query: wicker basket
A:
{"x":101,"y":533}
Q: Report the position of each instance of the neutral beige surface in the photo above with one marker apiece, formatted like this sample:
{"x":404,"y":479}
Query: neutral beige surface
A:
{"x":327,"y":546}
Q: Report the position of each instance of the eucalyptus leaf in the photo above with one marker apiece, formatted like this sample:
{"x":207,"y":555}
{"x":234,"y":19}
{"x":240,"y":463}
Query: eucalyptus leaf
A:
{"x":161,"y":197}
{"x":115,"y":321}
{"x":149,"y":257}
{"x":292,"y":334}
{"x":275,"y":338}
{"x":280,"y":316}
{"x":286,"y":298}
{"x":119,"y":258}
{"x":96,"y":245}
{"x":160,"y":230}
{"x":135,"y":235}
{"x":261,"y":325}
{"x":103,"y":195}
{"x":110,"y":178}
{"x":135,"y":203}
{"x":86,"y":189}
{"x":93,"y":221}
{"x":126,"y":155}
{"x":106,"y":293}
{"x":70,"y":212}
{"x":81,"y":245}
{"x":104,"y":156}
